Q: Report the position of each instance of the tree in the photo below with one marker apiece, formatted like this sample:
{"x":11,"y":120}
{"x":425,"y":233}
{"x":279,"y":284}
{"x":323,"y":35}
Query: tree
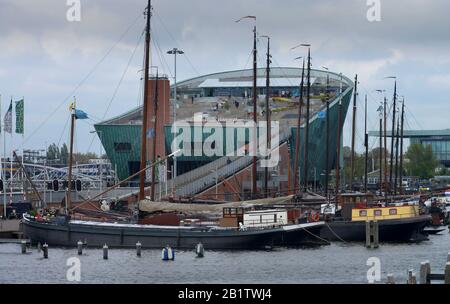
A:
{"x":53,"y":152}
{"x":421,"y":161}
{"x":64,"y":154}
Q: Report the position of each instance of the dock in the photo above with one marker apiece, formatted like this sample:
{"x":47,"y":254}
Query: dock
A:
{"x":10,"y":229}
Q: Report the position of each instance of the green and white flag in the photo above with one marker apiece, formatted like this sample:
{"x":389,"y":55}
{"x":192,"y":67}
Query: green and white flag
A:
{"x":19,"y":116}
{"x":8,"y":119}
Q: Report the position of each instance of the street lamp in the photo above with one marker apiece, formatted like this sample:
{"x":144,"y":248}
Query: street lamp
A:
{"x":174,"y":52}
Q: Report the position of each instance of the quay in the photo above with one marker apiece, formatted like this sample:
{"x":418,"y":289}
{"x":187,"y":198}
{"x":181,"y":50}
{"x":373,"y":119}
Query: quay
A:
{"x":10,"y":229}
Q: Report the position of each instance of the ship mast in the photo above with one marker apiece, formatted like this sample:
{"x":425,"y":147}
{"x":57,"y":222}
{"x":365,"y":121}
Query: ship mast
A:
{"x":380,"y":154}
{"x":69,"y":176}
{"x":401,"y":146}
{"x":366,"y":145}
{"x":255,"y":116}
{"x":297,"y":139}
{"x":393,"y":137}
{"x":155,"y":107}
{"x":145,"y":107}
{"x":268,"y":124}
{"x":308,"y":105}
{"x":338,"y":158}
{"x":352,"y":170}
{"x":385,"y":147}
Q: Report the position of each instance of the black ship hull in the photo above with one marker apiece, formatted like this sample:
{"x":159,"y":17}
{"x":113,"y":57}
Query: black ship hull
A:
{"x":126,"y":236}
{"x":398,"y":230}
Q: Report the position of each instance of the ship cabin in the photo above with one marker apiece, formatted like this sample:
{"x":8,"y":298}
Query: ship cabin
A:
{"x":363,"y":207}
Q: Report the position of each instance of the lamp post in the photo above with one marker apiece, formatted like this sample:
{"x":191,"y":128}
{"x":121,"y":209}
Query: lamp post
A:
{"x":174,"y":52}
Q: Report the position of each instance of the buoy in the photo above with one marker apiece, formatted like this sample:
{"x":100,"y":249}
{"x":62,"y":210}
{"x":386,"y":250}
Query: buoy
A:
{"x":200,"y":250}
{"x":168,"y":254}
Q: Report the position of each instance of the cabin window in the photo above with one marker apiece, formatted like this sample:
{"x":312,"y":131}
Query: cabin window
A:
{"x":392,"y":211}
{"x":363,"y":213}
{"x":378,"y":212}
{"x":122,"y":147}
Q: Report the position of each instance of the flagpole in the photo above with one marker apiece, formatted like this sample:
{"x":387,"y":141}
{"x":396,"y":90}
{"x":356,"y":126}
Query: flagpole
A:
{"x":4,"y":166}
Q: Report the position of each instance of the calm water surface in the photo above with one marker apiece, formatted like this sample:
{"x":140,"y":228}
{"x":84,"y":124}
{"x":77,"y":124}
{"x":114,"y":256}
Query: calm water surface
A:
{"x":336,"y":263}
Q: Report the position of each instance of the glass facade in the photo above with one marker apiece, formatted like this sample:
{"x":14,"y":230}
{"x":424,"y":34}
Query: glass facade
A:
{"x":440,"y":147}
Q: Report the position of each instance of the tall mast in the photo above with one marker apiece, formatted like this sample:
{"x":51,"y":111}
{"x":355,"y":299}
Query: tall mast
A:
{"x":352,"y":170}
{"x":308,"y":104}
{"x":297,"y":139}
{"x":255,"y":116}
{"x":385,"y":147}
{"x":401,"y":146}
{"x":69,"y":177}
{"x":327,"y":144}
{"x":268,"y":124}
{"x":155,"y":107}
{"x":396,"y":156}
{"x":145,"y":106}
{"x":393,"y":136}
{"x":380,"y":154}
{"x":338,"y":157}
{"x":366,"y":144}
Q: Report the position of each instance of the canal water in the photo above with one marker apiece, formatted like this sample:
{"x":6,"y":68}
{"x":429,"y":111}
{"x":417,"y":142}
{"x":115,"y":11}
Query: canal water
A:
{"x":335,"y":263}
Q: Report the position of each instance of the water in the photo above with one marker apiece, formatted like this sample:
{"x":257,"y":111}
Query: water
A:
{"x":336,"y":263}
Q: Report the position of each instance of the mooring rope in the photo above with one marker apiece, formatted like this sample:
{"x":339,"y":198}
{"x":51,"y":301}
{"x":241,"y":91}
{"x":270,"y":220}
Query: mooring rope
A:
{"x":335,"y":234}
{"x":315,"y":235}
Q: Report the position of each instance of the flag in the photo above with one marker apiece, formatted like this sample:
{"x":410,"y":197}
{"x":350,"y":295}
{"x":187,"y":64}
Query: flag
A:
{"x":80,"y":114}
{"x":19,"y":116}
{"x":8,"y":119}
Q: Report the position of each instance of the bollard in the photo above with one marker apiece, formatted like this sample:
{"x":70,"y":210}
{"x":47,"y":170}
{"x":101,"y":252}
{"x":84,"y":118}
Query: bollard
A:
{"x":39,"y":247}
{"x":105,"y":252}
{"x":447,"y":273}
{"x":45,"y":250}
{"x":80,"y":247}
{"x":23,"y":246}
{"x":200,"y":250}
{"x":390,"y":279}
{"x":138,"y":249}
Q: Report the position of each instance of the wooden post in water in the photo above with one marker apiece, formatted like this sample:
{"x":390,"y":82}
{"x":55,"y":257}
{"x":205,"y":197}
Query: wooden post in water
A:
{"x":372,"y":236}
{"x":23,"y":246}
{"x":390,"y":279}
{"x":138,"y":249}
{"x":105,"y":252}
{"x":447,"y":273}
{"x":425,"y":271}
{"x":45,"y":250}
{"x":80,"y":247}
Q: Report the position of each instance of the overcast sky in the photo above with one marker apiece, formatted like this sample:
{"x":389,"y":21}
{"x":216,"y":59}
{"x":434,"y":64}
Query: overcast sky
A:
{"x":45,"y":58}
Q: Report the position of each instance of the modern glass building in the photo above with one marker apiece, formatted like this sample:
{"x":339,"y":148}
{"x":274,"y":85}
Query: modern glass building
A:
{"x":120,"y":136}
{"x":439,"y":140}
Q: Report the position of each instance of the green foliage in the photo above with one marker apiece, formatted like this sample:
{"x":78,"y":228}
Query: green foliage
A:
{"x":64,"y":154}
{"x":53,"y":152}
{"x":61,"y":155}
{"x":421,"y":161}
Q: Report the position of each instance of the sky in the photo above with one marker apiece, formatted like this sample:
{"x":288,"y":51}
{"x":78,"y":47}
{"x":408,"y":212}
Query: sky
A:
{"x":48,"y":60}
